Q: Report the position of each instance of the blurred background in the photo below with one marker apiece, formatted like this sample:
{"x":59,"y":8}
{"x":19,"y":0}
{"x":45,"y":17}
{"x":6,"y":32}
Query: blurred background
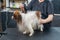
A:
{"x":8,"y":6}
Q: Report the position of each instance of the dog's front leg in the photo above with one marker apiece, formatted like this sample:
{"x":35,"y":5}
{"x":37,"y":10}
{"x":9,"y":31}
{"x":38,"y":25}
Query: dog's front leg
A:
{"x":41,"y":27}
{"x":31,"y":30}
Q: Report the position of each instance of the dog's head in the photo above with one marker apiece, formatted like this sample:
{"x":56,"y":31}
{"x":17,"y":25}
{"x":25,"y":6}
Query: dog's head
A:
{"x":17,"y":16}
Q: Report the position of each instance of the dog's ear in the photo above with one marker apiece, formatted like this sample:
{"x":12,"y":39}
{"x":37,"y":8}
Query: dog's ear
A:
{"x":38,"y":14}
{"x":19,"y":18}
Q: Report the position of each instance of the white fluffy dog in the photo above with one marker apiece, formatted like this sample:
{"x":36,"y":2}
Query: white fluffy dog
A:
{"x":28,"y":22}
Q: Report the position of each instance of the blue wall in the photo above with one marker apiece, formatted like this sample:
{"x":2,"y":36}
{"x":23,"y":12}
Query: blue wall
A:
{"x":56,"y":4}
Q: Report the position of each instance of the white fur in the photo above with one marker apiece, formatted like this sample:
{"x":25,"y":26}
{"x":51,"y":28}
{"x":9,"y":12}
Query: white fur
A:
{"x":30,"y":23}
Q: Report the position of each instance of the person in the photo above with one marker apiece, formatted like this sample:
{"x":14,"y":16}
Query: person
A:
{"x":46,"y":9}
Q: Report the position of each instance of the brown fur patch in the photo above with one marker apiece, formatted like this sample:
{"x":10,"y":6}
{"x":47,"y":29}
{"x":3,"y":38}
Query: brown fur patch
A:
{"x":38,"y":13}
{"x":17,"y":16}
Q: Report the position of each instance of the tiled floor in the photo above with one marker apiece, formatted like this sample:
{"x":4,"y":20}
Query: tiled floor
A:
{"x":13,"y":34}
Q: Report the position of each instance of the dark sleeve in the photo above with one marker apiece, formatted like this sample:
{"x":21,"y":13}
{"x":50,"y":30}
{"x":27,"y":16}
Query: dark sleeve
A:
{"x":30,"y":5}
{"x":50,"y":8}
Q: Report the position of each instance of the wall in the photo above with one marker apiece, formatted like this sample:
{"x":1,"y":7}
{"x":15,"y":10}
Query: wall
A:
{"x":56,"y":4}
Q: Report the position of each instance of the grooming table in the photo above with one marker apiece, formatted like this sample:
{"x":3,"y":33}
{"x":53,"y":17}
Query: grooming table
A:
{"x":13,"y":34}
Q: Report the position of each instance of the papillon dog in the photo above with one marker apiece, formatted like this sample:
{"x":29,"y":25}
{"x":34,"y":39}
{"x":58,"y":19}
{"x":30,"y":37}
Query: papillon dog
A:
{"x":28,"y":22}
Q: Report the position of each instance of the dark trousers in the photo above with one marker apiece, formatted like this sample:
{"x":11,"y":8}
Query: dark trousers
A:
{"x":47,"y":26}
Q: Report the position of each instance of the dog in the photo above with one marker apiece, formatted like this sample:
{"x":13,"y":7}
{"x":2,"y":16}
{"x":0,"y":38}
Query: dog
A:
{"x":28,"y":22}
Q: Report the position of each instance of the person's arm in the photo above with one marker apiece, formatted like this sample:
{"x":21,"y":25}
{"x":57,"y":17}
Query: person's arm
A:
{"x":28,"y":7}
{"x":50,"y":11}
{"x":50,"y":18}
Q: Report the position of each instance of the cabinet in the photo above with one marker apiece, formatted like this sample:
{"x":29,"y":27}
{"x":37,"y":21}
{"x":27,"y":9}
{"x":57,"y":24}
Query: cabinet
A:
{"x":3,"y":21}
{"x":0,"y":23}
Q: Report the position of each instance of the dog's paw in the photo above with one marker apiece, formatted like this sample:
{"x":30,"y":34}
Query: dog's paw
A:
{"x":24,"y":32}
{"x":31,"y":34}
{"x":41,"y":30}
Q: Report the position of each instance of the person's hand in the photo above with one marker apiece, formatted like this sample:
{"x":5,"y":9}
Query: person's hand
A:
{"x":21,"y":5}
{"x":48,"y":19}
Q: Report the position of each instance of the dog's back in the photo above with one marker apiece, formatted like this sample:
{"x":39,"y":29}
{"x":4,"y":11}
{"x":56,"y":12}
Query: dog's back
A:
{"x":32,"y":18}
